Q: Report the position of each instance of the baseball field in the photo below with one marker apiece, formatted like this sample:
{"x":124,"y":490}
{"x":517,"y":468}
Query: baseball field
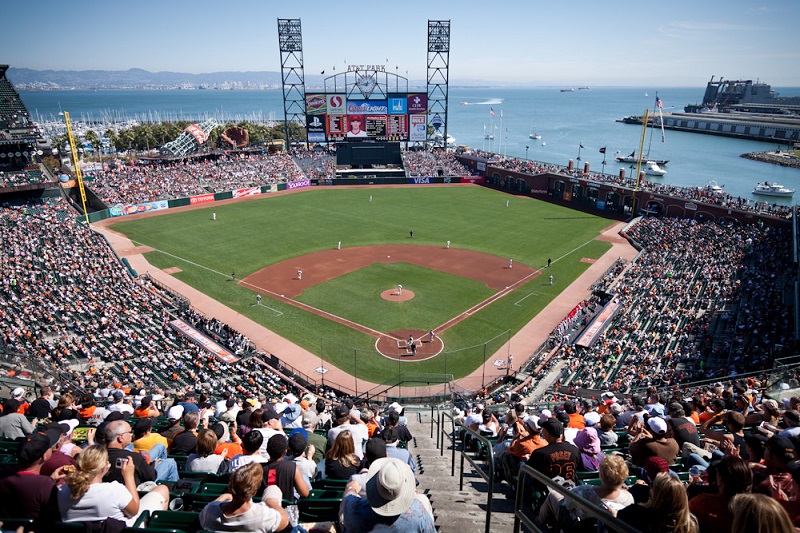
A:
{"x":327,"y":264}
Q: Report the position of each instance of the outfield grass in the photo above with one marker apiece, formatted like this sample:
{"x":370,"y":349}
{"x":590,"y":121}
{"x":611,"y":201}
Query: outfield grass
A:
{"x":249,"y":236}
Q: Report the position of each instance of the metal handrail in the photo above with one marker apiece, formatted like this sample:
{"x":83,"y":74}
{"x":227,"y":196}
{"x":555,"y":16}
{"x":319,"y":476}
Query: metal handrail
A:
{"x":487,"y":477}
{"x":589,"y":509}
{"x":452,"y":435}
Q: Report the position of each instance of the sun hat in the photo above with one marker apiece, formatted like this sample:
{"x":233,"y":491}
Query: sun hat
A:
{"x":292,"y":412}
{"x":68,"y":426}
{"x":390,"y":486}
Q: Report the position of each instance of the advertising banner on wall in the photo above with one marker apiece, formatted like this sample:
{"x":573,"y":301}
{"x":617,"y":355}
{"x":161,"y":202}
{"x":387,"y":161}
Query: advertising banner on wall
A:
{"x":315,"y":125}
{"x":201,"y":199}
{"x":316,"y":104}
{"x":398,"y":105}
{"x":298,"y":184}
{"x":135,"y":209}
{"x":250,"y":191}
{"x":336,"y":104}
{"x":417,"y":103}
{"x":418,"y":127}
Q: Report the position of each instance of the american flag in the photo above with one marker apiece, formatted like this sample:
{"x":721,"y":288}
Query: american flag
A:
{"x":491,"y":111}
{"x":659,"y":103}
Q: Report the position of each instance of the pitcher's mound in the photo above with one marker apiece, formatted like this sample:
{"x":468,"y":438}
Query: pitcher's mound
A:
{"x":392,"y":295}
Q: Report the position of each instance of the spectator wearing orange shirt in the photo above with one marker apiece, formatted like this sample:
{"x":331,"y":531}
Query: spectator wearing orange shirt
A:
{"x":575,"y":420}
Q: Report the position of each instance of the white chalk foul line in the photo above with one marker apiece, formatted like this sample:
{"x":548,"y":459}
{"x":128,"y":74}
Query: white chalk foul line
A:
{"x":198,"y":265}
{"x":271,"y":309}
{"x":523,"y":298}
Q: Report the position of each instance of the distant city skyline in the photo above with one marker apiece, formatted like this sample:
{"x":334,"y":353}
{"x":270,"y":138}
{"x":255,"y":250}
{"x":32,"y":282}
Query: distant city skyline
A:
{"x":623,"y":43}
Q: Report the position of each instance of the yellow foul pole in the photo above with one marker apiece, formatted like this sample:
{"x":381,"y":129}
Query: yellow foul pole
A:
{"x":645,"y":119}
{"x":74,"y":150}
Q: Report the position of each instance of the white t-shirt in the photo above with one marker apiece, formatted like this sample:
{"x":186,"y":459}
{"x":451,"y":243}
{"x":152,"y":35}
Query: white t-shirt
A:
{"x":242,"y":459}
{"x":101,"y":501}
{"x":258,"y":519}
{"x":267,"y":433}
{"x":359,"y":432}
{"x":195,"y":463}
{"x":121,"y":407}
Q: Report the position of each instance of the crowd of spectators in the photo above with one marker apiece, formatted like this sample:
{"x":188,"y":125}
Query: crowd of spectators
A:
{"x":21,"y":177}
{"x":131,"y":184}
{"x":696,"y":194}
{"x":316,"y":164}
{"x":717,"y":458}
{"x":70,"y":307}
{"x":701,"y":298}
{"x":272,"y":447}
{"x":421,"y":163}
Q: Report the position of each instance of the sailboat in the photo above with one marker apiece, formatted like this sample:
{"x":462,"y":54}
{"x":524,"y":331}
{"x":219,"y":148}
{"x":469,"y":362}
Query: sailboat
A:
{"x":632,"y":158}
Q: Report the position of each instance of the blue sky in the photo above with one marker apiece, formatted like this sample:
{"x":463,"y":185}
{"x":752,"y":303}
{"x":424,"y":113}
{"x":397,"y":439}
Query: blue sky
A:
{"x":524,"y":42}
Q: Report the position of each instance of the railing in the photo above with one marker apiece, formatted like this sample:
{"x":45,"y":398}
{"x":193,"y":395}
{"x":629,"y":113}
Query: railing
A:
{"x":452,"y":435}
{"x":487,"y":477}
{"x":589,"y":509}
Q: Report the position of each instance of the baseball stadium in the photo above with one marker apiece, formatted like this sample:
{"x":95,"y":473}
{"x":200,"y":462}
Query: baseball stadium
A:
{"x":354,"y":265}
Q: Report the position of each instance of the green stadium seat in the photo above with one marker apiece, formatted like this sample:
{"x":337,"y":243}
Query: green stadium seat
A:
{"x":319,"y":509}
{"x":179,"y":520}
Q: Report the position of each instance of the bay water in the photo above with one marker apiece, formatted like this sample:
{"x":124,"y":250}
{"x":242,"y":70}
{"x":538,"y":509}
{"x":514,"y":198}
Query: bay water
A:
{"x":565,"y":121}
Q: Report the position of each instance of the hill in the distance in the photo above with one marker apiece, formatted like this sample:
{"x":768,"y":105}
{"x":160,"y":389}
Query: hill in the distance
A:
{"x":24,"y":78}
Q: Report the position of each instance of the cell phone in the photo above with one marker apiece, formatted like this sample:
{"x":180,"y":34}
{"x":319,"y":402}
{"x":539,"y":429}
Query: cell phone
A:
{"x":121,"y":461}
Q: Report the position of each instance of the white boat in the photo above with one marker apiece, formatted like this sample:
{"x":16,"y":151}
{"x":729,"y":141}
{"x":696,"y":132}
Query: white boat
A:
{"x":712,"y":187}
{"x":773,"y":189}
{"x":651,"y":168}
{"x":534,"y":135}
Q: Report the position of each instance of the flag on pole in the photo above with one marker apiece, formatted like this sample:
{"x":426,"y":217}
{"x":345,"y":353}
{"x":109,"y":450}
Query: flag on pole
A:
{"x":603,"y":150}
{"x":660,"y":106}
{"x":659,"y":103}
{"x":501,"y":113}
{"x":491,"y":111}
{"x":582,"y":146}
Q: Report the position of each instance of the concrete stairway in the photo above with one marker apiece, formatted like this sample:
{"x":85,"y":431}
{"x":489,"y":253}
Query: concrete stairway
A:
{"x":456,"y":511}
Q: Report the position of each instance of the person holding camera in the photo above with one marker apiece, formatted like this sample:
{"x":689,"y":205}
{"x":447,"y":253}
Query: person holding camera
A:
{"x":87,"y":498}
{"x":651,"y":442}
{"x":118,"y":436}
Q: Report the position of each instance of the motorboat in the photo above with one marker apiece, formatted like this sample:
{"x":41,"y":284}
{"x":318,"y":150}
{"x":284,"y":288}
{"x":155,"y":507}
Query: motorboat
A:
{"x":567,"y":90}
{"x":712,"y":188}
{"x":464,"y":103}
{"x":631,"y":158}
{"x":767,"y":188}
{"x":651,"y":168}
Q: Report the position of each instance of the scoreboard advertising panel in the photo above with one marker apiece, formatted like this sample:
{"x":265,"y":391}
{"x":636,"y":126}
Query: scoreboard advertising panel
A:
{"x":334,"y":117}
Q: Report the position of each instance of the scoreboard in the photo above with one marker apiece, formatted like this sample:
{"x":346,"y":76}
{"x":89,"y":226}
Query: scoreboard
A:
{"x":332,"y":117}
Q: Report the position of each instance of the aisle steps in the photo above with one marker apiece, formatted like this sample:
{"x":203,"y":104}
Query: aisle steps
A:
{"x":456,"y":511}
